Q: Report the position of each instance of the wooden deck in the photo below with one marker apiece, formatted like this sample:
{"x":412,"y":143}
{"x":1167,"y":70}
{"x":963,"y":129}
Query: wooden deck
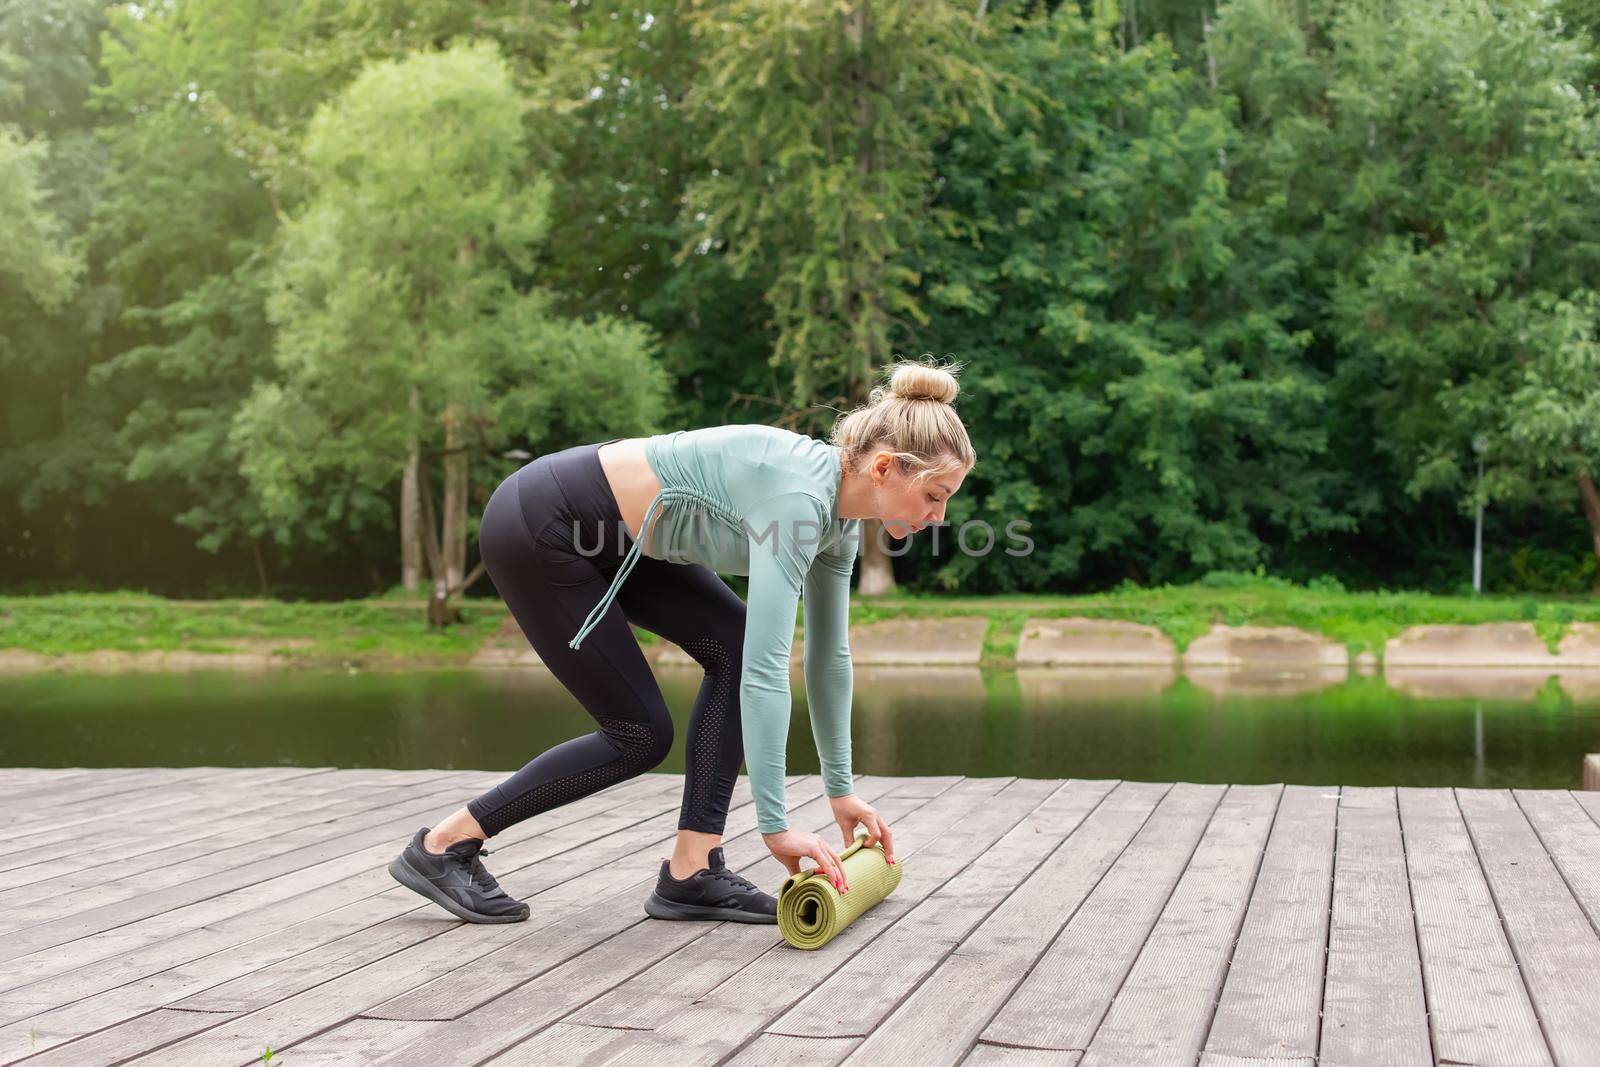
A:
{"x":202,"y":915}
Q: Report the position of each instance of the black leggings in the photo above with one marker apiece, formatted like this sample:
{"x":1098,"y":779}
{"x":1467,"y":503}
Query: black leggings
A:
{"x":533,"y":529}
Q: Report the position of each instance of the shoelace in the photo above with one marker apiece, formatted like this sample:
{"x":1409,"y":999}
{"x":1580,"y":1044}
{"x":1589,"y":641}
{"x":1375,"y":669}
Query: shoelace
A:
{"x":728,"y":876}
{"x":481,"y":876}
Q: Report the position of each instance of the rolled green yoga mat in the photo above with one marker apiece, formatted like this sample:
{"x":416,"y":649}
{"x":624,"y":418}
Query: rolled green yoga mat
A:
{"x":811,"y":912}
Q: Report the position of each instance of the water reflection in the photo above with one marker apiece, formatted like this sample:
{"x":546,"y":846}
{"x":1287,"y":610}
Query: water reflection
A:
{"x":1265,"y":681}
{"x":1453,"y":682}
{"x":1433,"y":727}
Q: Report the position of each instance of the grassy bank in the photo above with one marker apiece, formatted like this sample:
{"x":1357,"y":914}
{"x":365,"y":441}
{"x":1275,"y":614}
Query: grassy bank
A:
{"x":391,"y":631}
{"x":376,"y":631}
{"x":1361,"y":621}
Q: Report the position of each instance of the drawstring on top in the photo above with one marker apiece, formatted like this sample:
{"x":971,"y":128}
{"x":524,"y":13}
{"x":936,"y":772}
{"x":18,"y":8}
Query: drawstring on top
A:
{"x":673,"y":491}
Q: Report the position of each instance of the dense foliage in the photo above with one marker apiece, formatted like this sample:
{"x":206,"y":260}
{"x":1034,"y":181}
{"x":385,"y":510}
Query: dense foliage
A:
{"x":288,"y":286}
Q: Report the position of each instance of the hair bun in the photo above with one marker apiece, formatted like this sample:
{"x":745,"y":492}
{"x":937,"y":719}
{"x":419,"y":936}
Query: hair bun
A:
{"x":923,"y":381}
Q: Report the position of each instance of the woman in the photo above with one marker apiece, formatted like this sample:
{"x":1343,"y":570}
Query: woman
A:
{"x":665,"y":513}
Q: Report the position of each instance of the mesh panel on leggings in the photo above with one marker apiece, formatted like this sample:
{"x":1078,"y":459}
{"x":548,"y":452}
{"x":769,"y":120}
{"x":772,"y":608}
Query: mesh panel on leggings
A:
{"x":637,"y":742}
{"x":701,"y":754}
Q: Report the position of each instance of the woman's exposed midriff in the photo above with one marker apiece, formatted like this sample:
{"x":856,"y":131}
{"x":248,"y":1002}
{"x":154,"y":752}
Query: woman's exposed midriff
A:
{"x":632,"y":481}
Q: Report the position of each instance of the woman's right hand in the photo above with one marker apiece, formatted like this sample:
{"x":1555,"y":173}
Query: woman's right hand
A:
{"x":790,"y":845}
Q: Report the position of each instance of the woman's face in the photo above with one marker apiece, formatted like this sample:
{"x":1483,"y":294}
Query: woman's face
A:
{"x":907,"y":505}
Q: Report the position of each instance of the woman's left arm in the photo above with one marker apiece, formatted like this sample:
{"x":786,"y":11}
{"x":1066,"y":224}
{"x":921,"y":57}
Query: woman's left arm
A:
{"x":829,"y":684}
{"x":829,"y":676}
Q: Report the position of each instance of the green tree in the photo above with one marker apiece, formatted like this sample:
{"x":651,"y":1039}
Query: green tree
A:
{"x":209,"y":103}
{"x":821,"y":118}
{"x":1137,"y":379}
{"x":401,"y":342}
{"x":1439,"y":176}
{"x":53,"y":444}
{"x":618,"y":115}
{"x":37,"y":269}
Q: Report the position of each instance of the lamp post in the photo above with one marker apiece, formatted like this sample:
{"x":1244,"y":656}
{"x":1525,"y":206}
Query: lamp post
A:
{"x":1480,"y":445}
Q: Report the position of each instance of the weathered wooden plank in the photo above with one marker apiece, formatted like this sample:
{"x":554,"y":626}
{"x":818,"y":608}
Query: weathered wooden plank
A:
{"x":571,"y":1044}
{"x":124,"y":786}
{"x":92,"y":782}
{"x":546,"y":959}
{"x":127,"y":829}
{"x":206,"y":809}
{"x":926,"y":786}
{"x":967,"y":810}
{"x":14,"y":780}
{"x":1555,"y":946}
{"x":1271,"y":1001}
{"x":364,"y":913}
{"x":1477,"y":1005}
{"x":1571,"y":838}
{"x":302,"y":857}
{"x":1589,"y":802}
{"x":788,"y":1050}
{"x":213,"y":799}
{"x":354,"y":1043}
{"x":108,"y":1046}
{"x":96,"y":859}
{"x":171,"y":798}
{"x":541,"y":1000}
{"x":1062,"y":1000}
{"x":127,"y":822}
{"x":982,"y":971}
{"x":1163,"y":1010}
{"x":236,"y":841}
{"x":1006,"y":1056}
{"x":862,"y":991}
{"x":107,"y":794}
{"x":1373,"y":1005}
{"x":694,"y":1039}
{"x":84,"y":966}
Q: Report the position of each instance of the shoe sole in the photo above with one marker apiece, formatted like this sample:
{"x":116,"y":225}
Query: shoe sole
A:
{"x":658,"y":907}
{"x":407,"y":876}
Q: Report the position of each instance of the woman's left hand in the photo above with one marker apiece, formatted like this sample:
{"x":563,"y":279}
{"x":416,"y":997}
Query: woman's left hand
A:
{"x":850,"y":811}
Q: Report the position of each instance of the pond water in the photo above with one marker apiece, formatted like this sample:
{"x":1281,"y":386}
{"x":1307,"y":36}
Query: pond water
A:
{"x":1502,"y":730}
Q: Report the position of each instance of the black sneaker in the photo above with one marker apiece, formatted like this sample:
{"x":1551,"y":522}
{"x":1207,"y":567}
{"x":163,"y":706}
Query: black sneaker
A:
{"x":712,"y":892}
{"x":456,"y":880}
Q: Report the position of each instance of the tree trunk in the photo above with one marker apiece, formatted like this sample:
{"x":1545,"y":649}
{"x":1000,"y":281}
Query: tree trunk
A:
{"x":1591,"y":511}
{"x":877,"y":575}
{"x":865,"y":303}
{"x":440,"y":613}
{"x":411,"y":512}
{"x":374,"y":578}
{"x":455,"y":500}
{"x":261,"y":566}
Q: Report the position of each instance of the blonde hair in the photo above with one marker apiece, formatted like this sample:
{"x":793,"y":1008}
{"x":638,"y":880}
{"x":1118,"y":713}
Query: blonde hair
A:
{"x":913,"y":418}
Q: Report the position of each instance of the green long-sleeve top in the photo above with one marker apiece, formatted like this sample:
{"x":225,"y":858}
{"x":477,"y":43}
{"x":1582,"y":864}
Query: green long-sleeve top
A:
{"x":764,"y":501}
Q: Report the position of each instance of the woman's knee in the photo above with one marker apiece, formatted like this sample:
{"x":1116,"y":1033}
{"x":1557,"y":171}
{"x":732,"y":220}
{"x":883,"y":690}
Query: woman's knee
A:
{"x":642,"y":744}
{"x":718,"y":652}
